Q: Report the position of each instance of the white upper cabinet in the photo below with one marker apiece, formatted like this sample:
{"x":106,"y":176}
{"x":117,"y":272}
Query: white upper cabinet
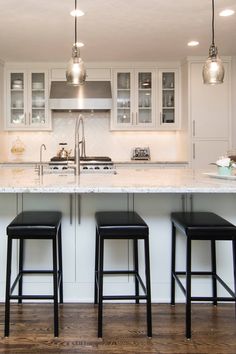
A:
{"x":145,"y":99}
{"x":27,"y":100}
{"x":168,"y":99}
{"x":133,"y":100}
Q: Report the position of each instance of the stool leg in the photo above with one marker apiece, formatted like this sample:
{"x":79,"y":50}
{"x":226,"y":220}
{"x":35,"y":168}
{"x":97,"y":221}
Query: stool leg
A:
{"x":188,"y":288}
{"x":96,"y":269}
{"x":100,"y":285}
{"x":21,"y":260}
{"x":55,"y":286}
{"x":60,"y":265}
{"x":135,"y":254}
{"x":148,"y":287}
{"x":234,"y":267}
{"x":213,"y":269}
{"x":8,"y":287}
{"x":173,"y":257}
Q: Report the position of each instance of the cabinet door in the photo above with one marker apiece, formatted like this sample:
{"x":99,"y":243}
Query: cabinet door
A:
{"x":27,"y":100}
{"x":133,"y":100}
{"x":209,"y":107}
{"x":16,"y":99}
{"x":168,"y":99}
{"x":38,"y":99}
{"x":208,"y":151}
{"x":123,"y":97}
{"x":144,"y":104}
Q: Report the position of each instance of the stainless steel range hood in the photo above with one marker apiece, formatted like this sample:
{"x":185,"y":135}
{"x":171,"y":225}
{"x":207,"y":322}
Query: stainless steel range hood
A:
{"x":92,"y":95}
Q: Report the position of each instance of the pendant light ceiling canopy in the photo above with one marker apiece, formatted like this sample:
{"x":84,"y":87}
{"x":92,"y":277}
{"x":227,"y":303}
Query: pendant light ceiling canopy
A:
{"x":213,"y":69}
{"x":76,"y":72}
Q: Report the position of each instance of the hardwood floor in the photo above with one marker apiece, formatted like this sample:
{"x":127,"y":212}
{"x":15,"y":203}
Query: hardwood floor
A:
{"x":214,"y":329}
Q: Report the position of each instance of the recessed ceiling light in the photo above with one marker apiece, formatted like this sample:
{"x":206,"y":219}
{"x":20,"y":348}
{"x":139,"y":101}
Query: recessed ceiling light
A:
{"x":77,"y":13}
{"x":226,"y":12}
{"x":193,"y":43}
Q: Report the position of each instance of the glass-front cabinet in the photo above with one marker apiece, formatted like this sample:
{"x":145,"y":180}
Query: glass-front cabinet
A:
{"x":133,"y":100}
{"x":27,"y":100}
{"x":168,"y":99}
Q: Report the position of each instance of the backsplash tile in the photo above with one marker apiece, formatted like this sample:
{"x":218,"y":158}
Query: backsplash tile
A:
{"x":99,"y":140}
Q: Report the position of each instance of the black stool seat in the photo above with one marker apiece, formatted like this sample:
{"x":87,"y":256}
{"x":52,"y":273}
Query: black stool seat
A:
{"x":118,"y":224}
{"x":201,"y":226}
{"x":129,"y":226}
{"x":204,"y":225}
{"x":34,"y":225}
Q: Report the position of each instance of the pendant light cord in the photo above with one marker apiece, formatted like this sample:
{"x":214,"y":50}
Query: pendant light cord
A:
{"x":213,"y":22}
{"x":76,"y":22}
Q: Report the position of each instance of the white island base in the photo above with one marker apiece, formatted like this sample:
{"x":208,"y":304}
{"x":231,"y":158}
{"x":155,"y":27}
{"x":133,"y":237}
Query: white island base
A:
{"x":78,"y":237}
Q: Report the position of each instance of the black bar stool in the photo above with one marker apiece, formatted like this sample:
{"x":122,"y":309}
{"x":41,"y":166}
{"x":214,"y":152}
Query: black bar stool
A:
{"x":43,"y":225}
{"x":127,"y":226}
{"x":201,"y":226}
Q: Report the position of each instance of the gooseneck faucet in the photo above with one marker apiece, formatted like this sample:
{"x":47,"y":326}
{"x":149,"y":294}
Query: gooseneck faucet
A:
{"x":40,"y":165}
{"x":42,"y":146}
{"x":79,"y":122}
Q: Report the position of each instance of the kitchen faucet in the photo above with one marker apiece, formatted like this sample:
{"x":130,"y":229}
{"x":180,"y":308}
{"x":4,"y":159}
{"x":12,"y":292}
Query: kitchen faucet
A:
{"x":42,"y":146}
{"x":40,"y":166}
{"x":79,"y":122}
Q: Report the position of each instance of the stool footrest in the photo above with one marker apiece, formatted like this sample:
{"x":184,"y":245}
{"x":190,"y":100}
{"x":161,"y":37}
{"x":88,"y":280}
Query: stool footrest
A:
{"x":31,"y":297}
{"x":119,"y":272}
{"x":195,"y":273}
{"x":36,"y":271}
{"x":221,"y":281}
{"x":124,"y":297}
{"x":25,"y":272}
{"x":211,"y":298}
{"x":124,"y":272}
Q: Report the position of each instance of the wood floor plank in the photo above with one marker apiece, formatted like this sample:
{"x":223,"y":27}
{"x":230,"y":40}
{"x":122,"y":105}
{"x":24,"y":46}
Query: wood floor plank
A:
{"x":214,"y":329}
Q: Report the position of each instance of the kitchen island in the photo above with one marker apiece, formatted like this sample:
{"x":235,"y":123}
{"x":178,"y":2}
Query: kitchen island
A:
{"x":153,"y":193}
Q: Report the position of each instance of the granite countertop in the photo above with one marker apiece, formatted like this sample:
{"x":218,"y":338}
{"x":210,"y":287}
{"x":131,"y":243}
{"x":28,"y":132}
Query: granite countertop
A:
{"x":138,"y":180}
{"x":18,"y":162}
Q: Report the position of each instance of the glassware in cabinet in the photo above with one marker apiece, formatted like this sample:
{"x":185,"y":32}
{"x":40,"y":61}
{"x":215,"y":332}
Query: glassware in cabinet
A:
{"x":168,"y":98}
{"x":123,"y":98}
{"x":27,"y":100}
{"x":17,"y":98}
{"x":144,"y":97}
{"x":38,"y":99}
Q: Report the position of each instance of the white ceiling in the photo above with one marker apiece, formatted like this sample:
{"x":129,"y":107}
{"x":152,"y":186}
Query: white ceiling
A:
{"x":113,"y":30}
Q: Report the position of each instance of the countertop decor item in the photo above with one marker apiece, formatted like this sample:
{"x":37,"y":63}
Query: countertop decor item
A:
{"x":225,"y":166}
{"x":217,"y":175}
{"x":76,"y":72}
{"x":18,"y":148}
{"x":213,"y":69}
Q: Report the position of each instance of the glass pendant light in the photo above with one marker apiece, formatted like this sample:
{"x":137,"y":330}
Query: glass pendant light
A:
{"x":76,"y":72}
{"x":213,"y":69}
